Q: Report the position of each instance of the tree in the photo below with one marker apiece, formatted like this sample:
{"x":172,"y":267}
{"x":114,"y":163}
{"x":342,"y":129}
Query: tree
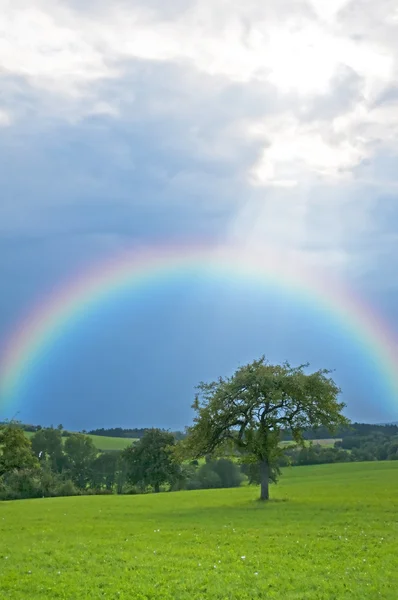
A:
{"x":252,"y":409}
{"x":81,"y":454}
{"x":47,"y":444}
{"x":151,"y":461}
{"x":15,"y":450}
{"x":228,"y":472}
{"x":104,"y":470}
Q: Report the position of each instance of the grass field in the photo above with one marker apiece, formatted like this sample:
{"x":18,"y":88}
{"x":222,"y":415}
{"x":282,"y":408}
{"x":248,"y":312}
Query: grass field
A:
{"x":102,"y":442}
{"x":326,"y":443}
{"x":330,"y":533}
{"x":113,"y":443}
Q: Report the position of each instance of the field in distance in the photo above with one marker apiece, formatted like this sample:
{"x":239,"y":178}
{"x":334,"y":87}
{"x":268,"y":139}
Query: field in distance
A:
{"x":330,"y":533}
{"x":326,"y":443}
{"x":114,"y":443}
{"x":103,"y":442}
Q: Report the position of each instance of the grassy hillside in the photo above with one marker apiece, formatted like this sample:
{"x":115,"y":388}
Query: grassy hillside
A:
{"x":103,"y":442}
{"x":330,"y":533}
{"x":326,"y":443}
{"x":113,"y":443}
{"x":110,"y":443}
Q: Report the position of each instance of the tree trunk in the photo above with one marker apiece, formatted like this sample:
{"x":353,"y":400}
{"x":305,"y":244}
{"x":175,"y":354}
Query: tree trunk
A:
{"x":264,"y":471}
{"x":157,"y":488}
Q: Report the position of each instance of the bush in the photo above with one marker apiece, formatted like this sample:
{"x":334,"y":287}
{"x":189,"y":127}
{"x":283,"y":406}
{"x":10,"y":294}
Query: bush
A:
{"x":97,"y":492}
{"x":193,"y":484}
{"x":207,"y":477}
{"x":228,"y":472}
{"x":222,"y":473}
{"x":67,"y":488}
{"x":18,"y":485}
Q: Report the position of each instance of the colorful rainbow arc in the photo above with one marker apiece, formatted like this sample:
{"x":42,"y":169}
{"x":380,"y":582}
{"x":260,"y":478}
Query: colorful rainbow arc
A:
{"x":28,"y":345}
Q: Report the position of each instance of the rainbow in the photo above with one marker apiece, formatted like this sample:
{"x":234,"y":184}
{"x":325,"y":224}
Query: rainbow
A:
{"x":29,"y":343}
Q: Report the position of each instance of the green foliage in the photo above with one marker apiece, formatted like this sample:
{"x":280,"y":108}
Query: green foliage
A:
{"x":80,"y":452}
{"x":20,"y":484}
{"x":353,"y":429}
{"x":104,"y":470}
{"x":15,"y":450}
{"x":222,"y":473}
{"x":228,"y":472}
{"x":118,"y":432}
{"x":253,"y":472}
{"x":253,"y":409}
{"x":99,"y":473}
{"x":151,"y":461}
{"x":67,"y":488}
{"x":33,"y":483}
{"x":47,"y":445}
{"x":323,"y":537}
{"x":207,"y":477}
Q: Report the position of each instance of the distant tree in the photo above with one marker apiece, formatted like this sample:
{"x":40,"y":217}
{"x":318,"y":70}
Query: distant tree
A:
{"x":222,"y":473}
{"x":251,"y":410}
{"x":393,"y":450}
{"x":207,"y":477}
{"x":104,"y":470}
{"x":119,"y":432}
{"x":151,"y":461}
{"x":15,"y":450}
{"x":179,"y":435}
{"x":47,"y":444}
{"x":81,"y":453}
{"x":228,"y":472}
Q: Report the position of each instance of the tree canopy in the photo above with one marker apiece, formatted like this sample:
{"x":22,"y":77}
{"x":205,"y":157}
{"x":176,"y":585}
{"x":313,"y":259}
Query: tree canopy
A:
{"x":80,"y":452}
{"x":15,"y":450}
{"x":253,"y":408}
{"x":151,"y":461}
{"x":47,"y":445}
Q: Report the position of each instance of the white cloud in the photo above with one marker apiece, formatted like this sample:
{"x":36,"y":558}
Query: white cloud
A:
{"x":296,"y":150}
{"x":283,"y":43}
{"x":5,"y":118}
{"x":318,"y":133}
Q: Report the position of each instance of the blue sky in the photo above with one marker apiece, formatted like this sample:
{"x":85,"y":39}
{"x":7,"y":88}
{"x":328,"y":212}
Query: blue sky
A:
{"x":254,"y":125}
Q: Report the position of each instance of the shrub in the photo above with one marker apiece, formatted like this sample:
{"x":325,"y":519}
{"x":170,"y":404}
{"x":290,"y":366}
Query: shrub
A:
{"x":67,"y":488}
{"x":228,"y":472}
{"x":207,"y":477}
{"x":21,"y":484}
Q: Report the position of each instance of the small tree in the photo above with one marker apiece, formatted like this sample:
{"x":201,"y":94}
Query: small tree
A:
{"x":81,"y":453}
{"x":105,"y":470}
{"x":15,"y":450}
{"x":252,"y":409}
{"x":151,"y":460}
{"x":47,"y":443}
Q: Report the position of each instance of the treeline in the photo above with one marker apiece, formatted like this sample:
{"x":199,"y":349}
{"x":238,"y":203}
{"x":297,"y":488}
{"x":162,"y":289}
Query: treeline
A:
{"x":120,"y":432}
{"x":116,"y":432}
{"x":354,"y":429}
{"x":47,"y":465}
{"x":364,"y":448}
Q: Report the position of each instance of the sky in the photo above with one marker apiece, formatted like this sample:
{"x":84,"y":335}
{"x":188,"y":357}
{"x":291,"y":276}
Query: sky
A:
{"x":134,"y":125}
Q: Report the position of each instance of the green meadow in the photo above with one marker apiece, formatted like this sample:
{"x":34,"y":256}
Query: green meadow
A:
{"x":113,"y":443}
{"x":325,"y":443}
{"x":102,"y":442}
{"x":110,"y":443}
{"x":329,"y":533}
